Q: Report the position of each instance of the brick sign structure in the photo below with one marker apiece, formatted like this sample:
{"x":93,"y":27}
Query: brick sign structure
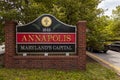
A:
{"x":26,"y":46}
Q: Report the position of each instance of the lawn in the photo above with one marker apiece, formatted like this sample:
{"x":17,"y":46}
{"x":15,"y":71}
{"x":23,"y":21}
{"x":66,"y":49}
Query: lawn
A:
{"x":94,"y":71}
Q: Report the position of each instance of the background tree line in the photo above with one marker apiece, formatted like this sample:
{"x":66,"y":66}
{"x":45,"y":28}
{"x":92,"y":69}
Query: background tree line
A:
{"x":100,"y":28}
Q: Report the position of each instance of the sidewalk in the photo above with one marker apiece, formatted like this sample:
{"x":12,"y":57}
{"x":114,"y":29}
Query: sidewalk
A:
{"x":104,"y":62}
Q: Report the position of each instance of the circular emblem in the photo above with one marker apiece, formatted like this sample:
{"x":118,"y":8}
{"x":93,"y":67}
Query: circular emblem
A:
{"x":46,"y":21}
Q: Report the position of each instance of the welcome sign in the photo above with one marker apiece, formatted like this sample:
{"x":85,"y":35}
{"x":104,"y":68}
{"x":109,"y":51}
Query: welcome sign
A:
{"x":46,"y":34}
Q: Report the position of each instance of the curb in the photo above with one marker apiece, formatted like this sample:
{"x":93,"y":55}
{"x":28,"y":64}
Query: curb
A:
{"x":101,"y":61}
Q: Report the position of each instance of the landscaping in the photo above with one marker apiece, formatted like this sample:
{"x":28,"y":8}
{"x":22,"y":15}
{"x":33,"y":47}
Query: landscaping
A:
{"x":94,"y":71}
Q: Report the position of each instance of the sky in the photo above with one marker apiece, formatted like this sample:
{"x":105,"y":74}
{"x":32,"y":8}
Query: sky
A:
{"x":109,"y":5}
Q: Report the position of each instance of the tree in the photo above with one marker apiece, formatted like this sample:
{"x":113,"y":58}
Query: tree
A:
{"x":1,"y":33}
{"x":116,"y":22}
{"x":73,"y":10}
{"x":102,"y":32}
{"x":21,"y":10}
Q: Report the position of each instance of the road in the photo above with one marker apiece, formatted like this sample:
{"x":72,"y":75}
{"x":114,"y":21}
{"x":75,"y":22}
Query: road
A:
{"x":111,"y":57}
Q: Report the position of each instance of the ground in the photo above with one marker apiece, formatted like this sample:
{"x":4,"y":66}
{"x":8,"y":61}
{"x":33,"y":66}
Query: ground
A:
{"x":112,"y":57}
{"x":94,"y":71}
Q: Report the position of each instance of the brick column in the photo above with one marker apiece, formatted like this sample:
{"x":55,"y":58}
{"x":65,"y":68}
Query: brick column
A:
{"x":10,"y":29}
{"x":81,"y":44}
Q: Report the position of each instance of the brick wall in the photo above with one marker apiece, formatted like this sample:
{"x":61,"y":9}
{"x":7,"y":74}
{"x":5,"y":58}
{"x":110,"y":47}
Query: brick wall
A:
{"x":61,"y":62}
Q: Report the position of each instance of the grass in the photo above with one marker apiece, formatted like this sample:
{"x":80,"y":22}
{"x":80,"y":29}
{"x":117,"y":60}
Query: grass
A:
{"x":94,"y":71}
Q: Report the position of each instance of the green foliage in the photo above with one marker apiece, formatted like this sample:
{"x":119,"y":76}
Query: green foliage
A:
{"x":1,"y":33}
{"x":70,"y":11}
{"x":116,"y":13}
{"x":94,"y":71}
{"x":116,"y":22}
{"x":101,"y":32}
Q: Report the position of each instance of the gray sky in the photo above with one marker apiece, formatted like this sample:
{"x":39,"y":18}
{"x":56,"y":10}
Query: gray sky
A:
{"x":109,"y":5}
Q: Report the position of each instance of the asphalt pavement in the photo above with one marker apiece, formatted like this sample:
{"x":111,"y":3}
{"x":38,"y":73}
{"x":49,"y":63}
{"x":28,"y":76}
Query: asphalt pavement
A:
{"x":112,"y":57}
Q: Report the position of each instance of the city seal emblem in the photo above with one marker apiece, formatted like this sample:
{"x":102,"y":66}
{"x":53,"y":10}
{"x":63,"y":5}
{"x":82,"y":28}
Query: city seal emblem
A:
{"x":46,"y":21}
